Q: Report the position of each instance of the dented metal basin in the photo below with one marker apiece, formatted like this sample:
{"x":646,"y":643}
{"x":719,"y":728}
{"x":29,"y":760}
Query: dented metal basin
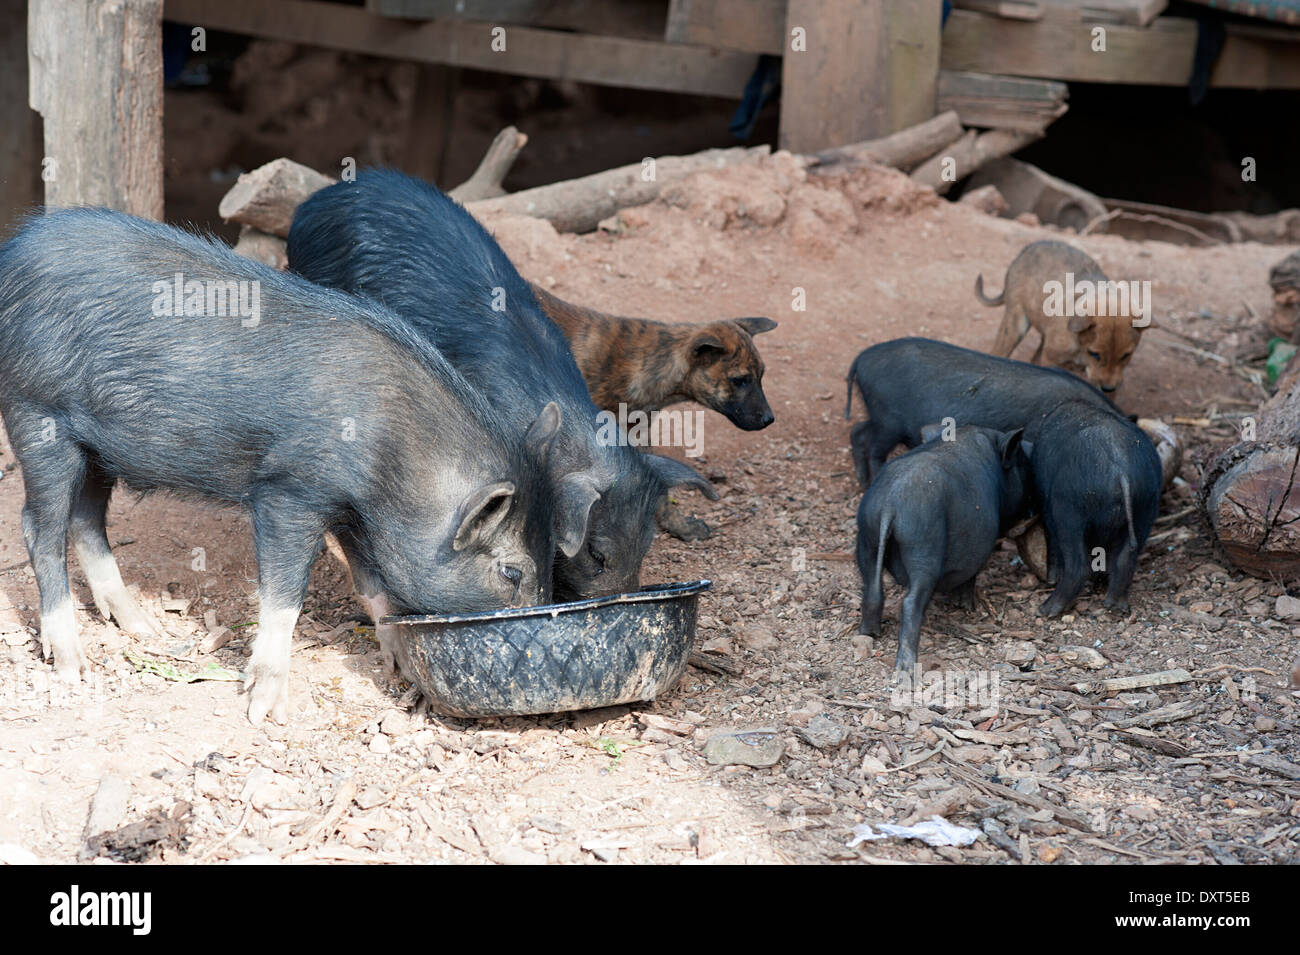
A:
{"x":623,"y":648}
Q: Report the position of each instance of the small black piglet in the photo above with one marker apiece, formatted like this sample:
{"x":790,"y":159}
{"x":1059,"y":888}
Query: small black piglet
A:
{"x":1098,"y":477}
{"x":933,"y":517}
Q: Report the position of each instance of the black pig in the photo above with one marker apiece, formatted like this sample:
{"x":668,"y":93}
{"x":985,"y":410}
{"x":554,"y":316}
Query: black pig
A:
{"x":1098,"y":477}
{"x":908,"y":383}
{"x":131,"y":351}
{"x":402,"y":241}
{"x":933,"y":517}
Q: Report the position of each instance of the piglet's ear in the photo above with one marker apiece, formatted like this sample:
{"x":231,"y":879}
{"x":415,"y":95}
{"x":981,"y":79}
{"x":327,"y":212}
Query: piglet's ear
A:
{"x":755,"y":326}
{"x":574,"y":498}
{"x":482,"y":514}
{"x":541,"y":433}
{"x":1008,"y":444}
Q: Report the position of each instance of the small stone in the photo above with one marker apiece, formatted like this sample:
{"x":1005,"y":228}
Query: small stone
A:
{"x":395,"y":723}
{"x":1020,"y":654}
{"x":1085,"y":657}
{"x":515,"y":855}
{"x":757,"y":637}
{"x":676,"y":761}
{"x":754,"y":747}
{"x":11,"y":854}
{"x":872,"y":766}
{"x":863,"y":647}
{"x":1265,"y":724}
{"x":371,"y":797}
{"x":1140,"y":813}
{"x":1287,"y":608}
{"x":380,"y":744}
{"x":1047,"y":854}
{"x":549,"y":824}
{"x":1201,"y":606}
{"x":602,"y":852}
{"x":822,"y":732}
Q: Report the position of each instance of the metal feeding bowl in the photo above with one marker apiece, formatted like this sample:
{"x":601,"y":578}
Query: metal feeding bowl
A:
{"x":573,"y":656}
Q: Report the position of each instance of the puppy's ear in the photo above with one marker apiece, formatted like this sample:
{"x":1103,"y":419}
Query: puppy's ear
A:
{"x":1080,"y":323}
{"x":707,"y":349}
{"x":755,"y":326}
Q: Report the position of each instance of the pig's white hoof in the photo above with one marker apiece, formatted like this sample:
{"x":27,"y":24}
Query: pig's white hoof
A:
{"x":268,"y":695}
{"x":128,"y":616}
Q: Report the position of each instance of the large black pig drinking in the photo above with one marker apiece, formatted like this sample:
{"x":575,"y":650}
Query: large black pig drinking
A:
{"x":134,"y":352}
{"x":403,"y":242}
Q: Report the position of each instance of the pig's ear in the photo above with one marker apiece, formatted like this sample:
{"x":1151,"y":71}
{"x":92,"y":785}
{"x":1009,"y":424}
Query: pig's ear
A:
{"x":541,"y":433}
{"x":674,"y":473}
{"x":1028,"y":448}
{"x":755,"y":326}
{"x":1008,"y":444}
{"x":707,"y":349}
{"x":482,"y":513}
{"x":574,"y":497}
{"x":1080,"y":323}
{"x":930,"y":432}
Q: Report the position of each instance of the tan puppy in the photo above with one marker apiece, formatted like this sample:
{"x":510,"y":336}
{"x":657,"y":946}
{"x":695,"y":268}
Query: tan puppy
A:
{"x":1085,"y":320}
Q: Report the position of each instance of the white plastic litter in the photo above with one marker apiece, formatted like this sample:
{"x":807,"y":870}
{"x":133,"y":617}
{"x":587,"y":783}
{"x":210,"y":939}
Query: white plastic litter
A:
{"x":935,"y":831}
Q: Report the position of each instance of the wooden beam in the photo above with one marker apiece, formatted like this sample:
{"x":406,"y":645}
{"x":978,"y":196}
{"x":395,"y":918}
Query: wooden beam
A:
{"x":609,"y":61}
{"x":856,"y":70}
{"x":1002,"y":102}
{"x":635,"y":19}
{"x":751,"y":26}
{"x":429,"y":132}
{"x":96,"y":78}
{"x":1132,"y":12}
{"x":20,"y":146}
{"x":1158,"y":55}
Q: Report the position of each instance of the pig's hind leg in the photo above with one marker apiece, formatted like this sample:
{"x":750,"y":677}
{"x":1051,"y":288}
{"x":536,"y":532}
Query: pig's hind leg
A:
{"x":1071,"y":568}
{"x":873,"y":589}
{"x":288,"y":537}
{"x":1122,"y":567}
{"x":90,"y":541}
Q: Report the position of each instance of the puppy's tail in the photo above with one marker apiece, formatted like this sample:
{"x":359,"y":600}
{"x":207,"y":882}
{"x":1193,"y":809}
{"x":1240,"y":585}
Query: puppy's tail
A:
{"x":848,"y":400}
{"x":1128,"y":509}
{"x":979,"y":292}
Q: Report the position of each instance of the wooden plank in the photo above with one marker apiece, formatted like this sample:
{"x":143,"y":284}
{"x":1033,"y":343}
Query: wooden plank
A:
{"x":865,"y":69}
{"x":1159,"y":55}
{"x":610,"y":61}
{"x":1131,"y":12}
{"x":751,"y":26}
{"x":20,"y":146}
{"x":432,"y":111}
{"x":636,"y":19}
{"x":1002,"y":102}
{"x":96,"y":78}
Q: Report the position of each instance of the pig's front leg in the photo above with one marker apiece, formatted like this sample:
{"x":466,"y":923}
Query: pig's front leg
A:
{"x":288,"y":539}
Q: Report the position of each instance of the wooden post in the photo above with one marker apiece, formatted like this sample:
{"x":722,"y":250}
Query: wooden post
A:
{"x":867,"y":68}
{"x":432,"y":110}
{"x":96,"y":78}
{"x":20,"y":139}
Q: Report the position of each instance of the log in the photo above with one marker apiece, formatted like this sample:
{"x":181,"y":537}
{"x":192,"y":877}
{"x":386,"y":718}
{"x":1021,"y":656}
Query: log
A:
{"x":1250,"y":495}
{"x":267,"y":197}
{"x":96,"y":76}
{"x":262,"y":247}
{"x":903,"y":149}
{"x":486,"y":181}
{"x":578,"y":205}
{"x":969,"y":154}
{"x":1027,"y":188}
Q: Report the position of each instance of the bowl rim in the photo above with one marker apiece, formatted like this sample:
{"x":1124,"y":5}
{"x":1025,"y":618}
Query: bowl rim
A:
{"x":648,"y":594}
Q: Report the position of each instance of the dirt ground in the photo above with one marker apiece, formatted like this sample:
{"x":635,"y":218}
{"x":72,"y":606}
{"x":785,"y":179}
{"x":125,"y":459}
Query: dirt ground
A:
{"x":1050,"y":774}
